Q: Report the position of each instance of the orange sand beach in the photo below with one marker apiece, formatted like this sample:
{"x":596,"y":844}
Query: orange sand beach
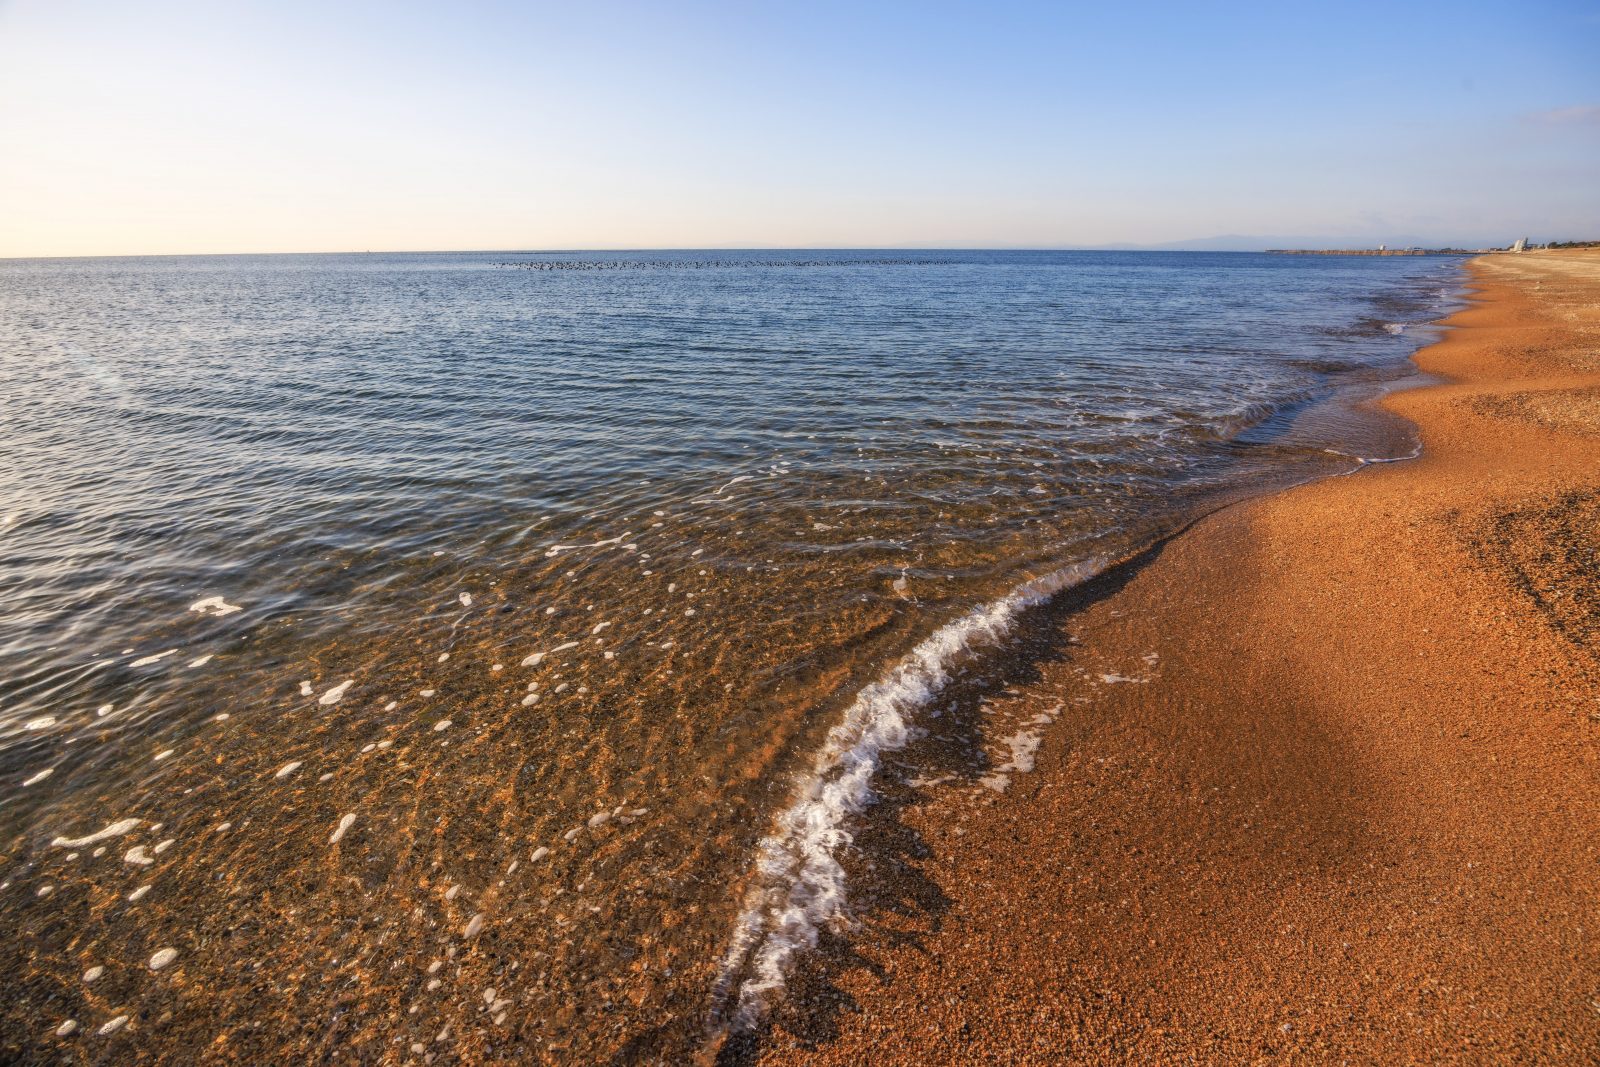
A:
{"x":1318,"y":779}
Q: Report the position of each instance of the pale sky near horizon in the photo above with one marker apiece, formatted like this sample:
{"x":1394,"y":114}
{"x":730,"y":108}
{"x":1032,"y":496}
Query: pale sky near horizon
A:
{"x":170,"y":126}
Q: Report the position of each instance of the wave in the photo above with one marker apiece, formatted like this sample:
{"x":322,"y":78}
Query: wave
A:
{"x":799,"y":882}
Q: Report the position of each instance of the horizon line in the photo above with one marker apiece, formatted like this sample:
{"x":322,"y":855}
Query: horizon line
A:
{"x":1152,"y":248}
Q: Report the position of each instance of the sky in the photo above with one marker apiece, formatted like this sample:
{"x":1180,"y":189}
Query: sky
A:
{"x":183,"y":127}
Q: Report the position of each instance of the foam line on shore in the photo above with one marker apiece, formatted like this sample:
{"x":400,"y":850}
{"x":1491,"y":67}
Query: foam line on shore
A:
{"x":799,"y":883}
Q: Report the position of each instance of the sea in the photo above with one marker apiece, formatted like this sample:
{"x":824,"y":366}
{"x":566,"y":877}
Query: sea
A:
{"x":494,"y":656}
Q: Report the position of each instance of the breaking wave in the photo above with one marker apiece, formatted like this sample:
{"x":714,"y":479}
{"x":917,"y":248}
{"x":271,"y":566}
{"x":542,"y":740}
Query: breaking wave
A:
{"x":799,"y":887}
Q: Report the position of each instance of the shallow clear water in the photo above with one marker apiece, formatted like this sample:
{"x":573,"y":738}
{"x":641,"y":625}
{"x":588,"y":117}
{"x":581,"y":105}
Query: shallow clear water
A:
{"x":723,"y":494}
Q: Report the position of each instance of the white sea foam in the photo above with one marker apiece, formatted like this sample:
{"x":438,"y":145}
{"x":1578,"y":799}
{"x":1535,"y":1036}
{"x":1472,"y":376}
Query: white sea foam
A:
{"x":1024,"y":745}
{"x":799,"y":888}
{"x":214,"y":605}
{"x":116,"y":829}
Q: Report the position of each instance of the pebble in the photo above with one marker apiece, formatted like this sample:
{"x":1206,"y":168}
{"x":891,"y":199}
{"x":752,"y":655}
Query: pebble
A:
{"x":114,"y":1025}
{"x":474,"y":926}
{"x":162,"y":958}
{"x":336,"y":694}
{"x":66,"y":1027}
{"x":288,"y":769}
{"x":338,"y":834}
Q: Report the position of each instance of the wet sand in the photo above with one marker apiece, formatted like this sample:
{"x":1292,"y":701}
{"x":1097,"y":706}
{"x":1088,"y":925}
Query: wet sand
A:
{"x":1321,"y":780}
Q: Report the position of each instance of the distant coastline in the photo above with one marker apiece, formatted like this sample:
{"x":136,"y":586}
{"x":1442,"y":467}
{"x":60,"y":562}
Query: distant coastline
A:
{"x":1370,"y":252}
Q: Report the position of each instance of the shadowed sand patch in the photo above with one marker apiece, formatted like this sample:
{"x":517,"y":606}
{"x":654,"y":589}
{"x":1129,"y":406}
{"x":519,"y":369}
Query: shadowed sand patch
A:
{"x":1550,"y":552}
{"x":1563,"y":410}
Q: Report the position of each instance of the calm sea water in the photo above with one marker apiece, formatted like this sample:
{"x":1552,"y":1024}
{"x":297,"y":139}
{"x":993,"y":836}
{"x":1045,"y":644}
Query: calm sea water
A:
{"x":490,"y":652}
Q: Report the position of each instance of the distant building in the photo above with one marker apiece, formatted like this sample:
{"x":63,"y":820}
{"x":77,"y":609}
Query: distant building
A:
{"x":1383,"y":248}
{"x":1520,"y":245}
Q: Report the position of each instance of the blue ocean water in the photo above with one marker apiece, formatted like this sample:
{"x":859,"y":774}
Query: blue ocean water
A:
{"x":604,"y":545}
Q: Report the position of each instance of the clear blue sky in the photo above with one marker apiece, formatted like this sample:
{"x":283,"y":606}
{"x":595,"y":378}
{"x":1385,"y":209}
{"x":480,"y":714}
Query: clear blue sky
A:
{"x":178,"y":127}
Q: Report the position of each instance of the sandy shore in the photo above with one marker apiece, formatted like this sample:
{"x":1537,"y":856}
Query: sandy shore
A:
{"x":1323,"y":780}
